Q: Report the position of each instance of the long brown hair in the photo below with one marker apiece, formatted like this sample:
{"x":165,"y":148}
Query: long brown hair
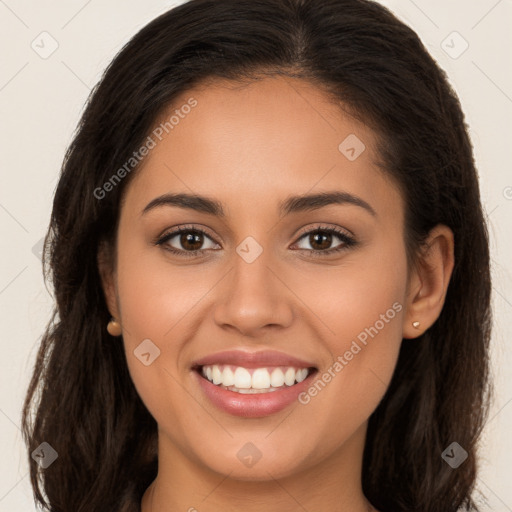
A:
{"x":81,"y":399}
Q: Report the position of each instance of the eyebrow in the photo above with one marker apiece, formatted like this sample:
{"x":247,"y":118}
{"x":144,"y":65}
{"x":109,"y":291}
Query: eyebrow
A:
{"x":293,"y":204}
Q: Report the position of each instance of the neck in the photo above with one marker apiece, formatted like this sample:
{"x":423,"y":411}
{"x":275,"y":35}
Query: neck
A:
{"x":334,"y":483}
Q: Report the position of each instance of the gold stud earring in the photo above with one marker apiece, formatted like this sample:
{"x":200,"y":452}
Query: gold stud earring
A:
{"x":416,"y":324}
{"x":114,"y":328}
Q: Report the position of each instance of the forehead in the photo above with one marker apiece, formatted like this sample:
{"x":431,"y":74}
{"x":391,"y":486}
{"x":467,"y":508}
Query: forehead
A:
{"x":250,"y":143}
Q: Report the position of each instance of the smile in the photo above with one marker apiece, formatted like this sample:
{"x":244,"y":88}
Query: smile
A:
{"x":254,"y":380}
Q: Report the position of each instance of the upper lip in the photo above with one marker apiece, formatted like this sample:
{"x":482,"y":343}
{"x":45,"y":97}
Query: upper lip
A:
{"x":253,"y":359}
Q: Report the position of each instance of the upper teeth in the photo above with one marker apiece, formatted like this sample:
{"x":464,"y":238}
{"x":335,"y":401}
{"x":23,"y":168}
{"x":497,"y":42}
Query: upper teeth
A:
{"x":255,"y":378}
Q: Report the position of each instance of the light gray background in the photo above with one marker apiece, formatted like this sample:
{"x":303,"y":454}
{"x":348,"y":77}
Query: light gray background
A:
{"x":41,"y":100}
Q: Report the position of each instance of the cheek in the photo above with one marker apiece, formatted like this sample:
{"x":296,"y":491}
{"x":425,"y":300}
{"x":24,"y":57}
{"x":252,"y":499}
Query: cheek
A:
{"x":155,"y":294}
{"x":155,"y":299}
{"x":354,"y":294}
{"x":365,"y":313}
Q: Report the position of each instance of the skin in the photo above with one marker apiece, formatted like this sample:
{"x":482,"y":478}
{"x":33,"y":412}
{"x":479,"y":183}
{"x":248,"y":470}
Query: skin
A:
{"x":250,"y":148}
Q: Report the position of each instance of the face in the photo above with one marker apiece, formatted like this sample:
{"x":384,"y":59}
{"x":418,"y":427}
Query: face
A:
{"x":320,"y":280}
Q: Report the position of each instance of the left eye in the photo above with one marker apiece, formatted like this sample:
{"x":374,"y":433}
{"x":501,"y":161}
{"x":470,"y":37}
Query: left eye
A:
{"x":322,"y":238}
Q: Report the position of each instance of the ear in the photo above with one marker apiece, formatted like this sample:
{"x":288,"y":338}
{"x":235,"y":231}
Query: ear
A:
{"x":106,"y":268}
{"x":428,"y":282}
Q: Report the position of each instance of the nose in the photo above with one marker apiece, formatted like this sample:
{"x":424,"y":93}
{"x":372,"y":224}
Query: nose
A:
{"x":254,"y":298}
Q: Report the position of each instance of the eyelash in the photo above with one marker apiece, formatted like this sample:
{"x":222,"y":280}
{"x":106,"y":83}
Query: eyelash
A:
{"x":347,"y":240}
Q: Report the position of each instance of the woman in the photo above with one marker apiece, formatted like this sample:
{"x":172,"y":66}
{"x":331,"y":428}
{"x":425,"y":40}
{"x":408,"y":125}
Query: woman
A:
{"x":271,"y":273}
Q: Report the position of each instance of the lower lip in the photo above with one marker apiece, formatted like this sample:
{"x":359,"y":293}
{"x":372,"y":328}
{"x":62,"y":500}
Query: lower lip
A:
{"x":252,"y":405}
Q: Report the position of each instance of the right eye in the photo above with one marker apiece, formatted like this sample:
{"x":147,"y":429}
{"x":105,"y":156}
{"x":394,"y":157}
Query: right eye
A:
{"x":190,"y":239}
